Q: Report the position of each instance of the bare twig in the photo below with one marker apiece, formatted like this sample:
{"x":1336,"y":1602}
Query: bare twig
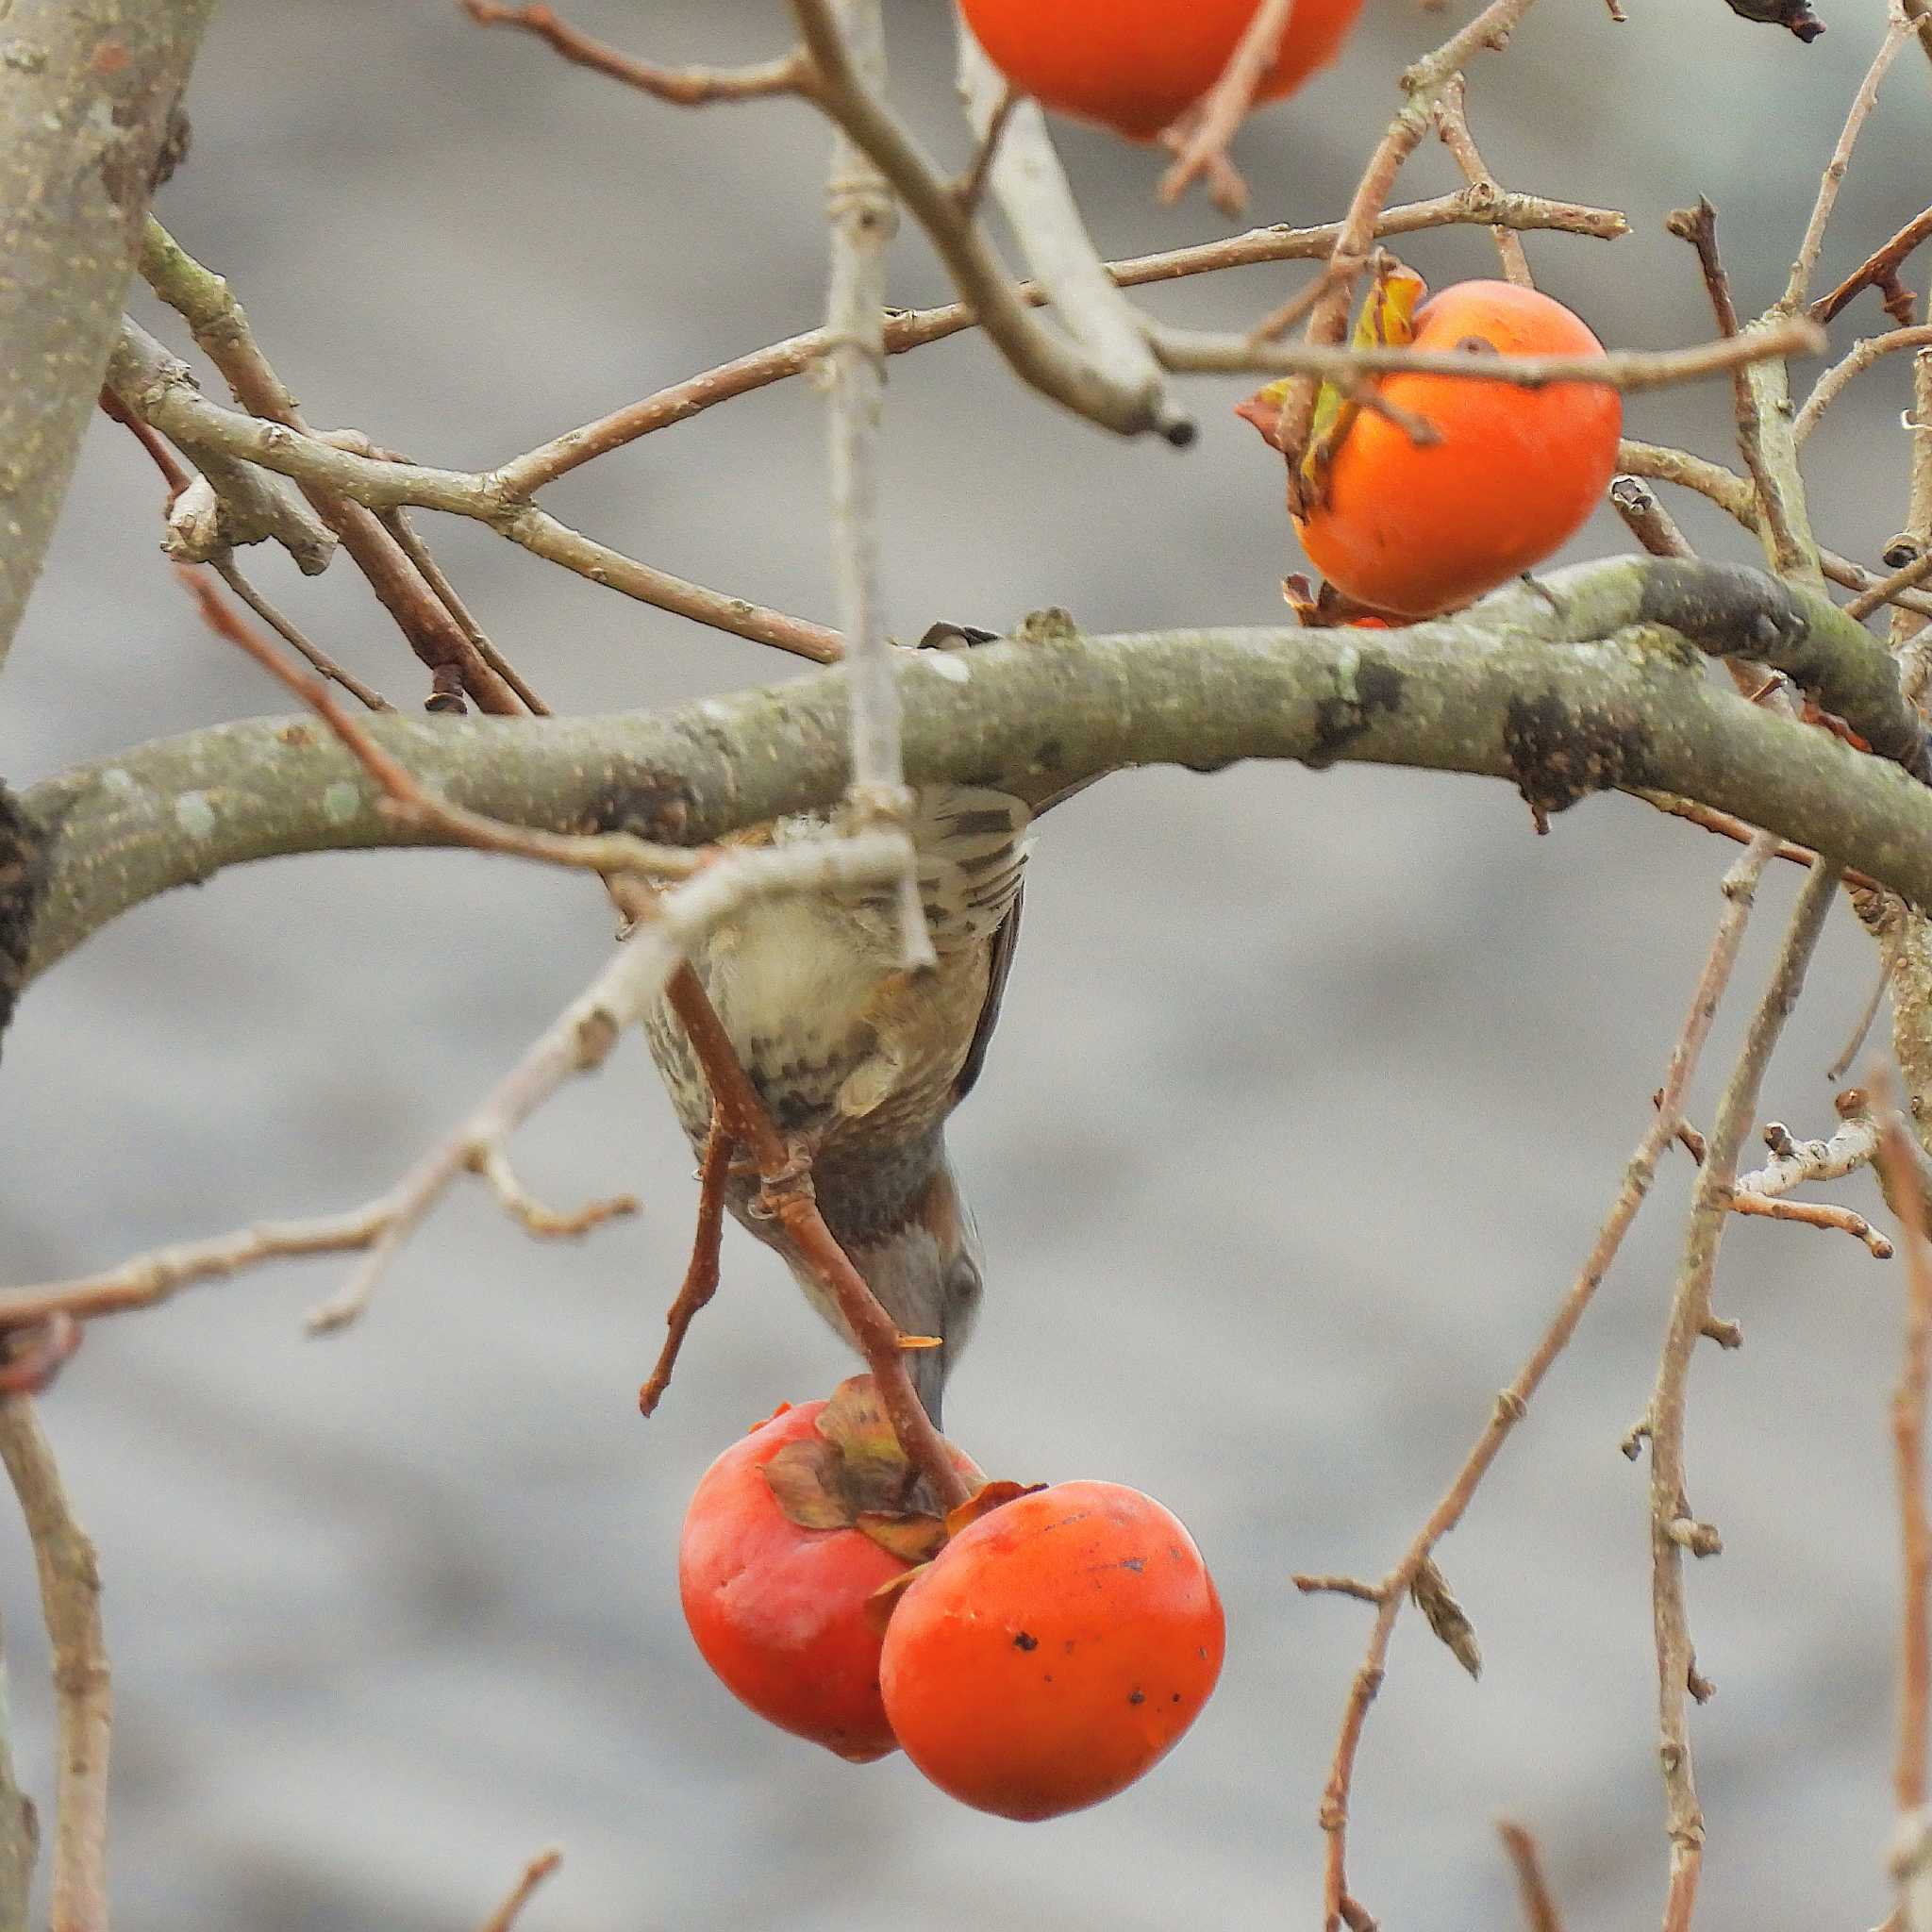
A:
{"x":1452,"y":126}
{"x":1044,"y":361}
{"x":1328,"y":323}
{"x":534,"y":1874}
{"x":1629,"y":370}
{"x":1814,"y":1214}
{"x":1674,"y":1529}
{"x":581,"y":1038}
{"x":1032,"y":192}
{"x":1882,"y":593}
{"x":1863,"y":102}
{"x":1513,"y":1403}
{"x":224,"y":568}
{"x":1879,"y":270}
{"x":859,"y":205}
{"x":1200,"y":138}
{"x":221,"y":328}
{"x":913,"y":328}
{"x":158,"y":387}
{"x":700,"y":1281}
{"x":1897,"y":1156}
{"x":599,"y":852}
{"x":1794,"y":1162}
{"x":1733,"y":494}
{"x":1538,"y":1907}
{"x":1776,"y":518}
{"x":70,"y":1582}
{"x":1825,"y":391}
{"x":683,"y":87}
{"x":397,"y":524}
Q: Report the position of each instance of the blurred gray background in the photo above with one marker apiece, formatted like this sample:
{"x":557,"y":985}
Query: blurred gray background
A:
{"x":1310,"y":1093}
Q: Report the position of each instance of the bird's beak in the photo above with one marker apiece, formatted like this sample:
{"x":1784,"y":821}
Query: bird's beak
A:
{"x":927,"y":1368}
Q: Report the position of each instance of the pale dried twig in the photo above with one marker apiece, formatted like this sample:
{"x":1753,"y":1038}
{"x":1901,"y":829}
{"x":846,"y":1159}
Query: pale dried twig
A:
{"x":70,"y":1581}
{"x":1898,"y":1156}
{"x":1513,"y":1403}
{"x":1861,"y":357}
{"x":1674,"y":1528}
{"x":1863,"y":102}
{"x":1031,"y":189}
{"x":1629,"y":370}
{"x":860,"y":204}
{"x":907,"y":329}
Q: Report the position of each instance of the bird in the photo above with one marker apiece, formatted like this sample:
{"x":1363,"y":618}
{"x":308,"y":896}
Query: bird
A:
{"x":861,"y":1062}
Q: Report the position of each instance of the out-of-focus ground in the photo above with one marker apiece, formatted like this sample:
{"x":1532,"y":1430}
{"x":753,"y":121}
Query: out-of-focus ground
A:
{"x":1308,"y":1096}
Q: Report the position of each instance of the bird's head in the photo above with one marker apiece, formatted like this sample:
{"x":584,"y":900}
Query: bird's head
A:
{"x":926,"y":1275}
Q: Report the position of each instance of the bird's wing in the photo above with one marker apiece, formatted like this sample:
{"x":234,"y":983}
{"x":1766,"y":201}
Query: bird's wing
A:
{"x":971,"y":844}
{"x":1000,"y":965}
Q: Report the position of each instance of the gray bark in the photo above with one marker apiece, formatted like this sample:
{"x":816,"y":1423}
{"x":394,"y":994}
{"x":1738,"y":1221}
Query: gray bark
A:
{"x":1569,"y":687}
{"x":89,"y":114}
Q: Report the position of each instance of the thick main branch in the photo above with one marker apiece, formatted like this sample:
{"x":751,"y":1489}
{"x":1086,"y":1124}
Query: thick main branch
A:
{"x":1568,"y":686}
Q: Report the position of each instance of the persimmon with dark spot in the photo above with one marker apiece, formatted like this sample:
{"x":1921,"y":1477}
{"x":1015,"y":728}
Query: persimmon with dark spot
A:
{"x":1416,"y":527}
{"x":1136,"y":65}
{"x":789,"y":1535}
{"x":1053,"y":1650}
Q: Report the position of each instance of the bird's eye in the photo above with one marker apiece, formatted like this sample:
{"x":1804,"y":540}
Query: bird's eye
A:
{"x":963,"y":1286}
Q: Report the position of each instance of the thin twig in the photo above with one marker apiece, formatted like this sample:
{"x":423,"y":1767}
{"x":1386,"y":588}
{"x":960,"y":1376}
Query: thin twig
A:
{"x":1039,"y":357}
{"x":1674,"y":1529}
{"x":221,"y":328}
{"x":1814,"y":1214}
{"x":1908,"y":1438}
{"x":1861,"y":356}
{"x":534,"y":1874}
{"x":1032,"y":191}
{"x":1451,"y":127}
{"x":1512,"y":1404}
{"x":159,"y":387}
{"x":907,"y":329}
{"x":1879,"y":270}
{"x":408,"y":800}
{"x":1200,"y":138}
{"x":1538,"y":1907}
{"x":1915,"y":573}
{"x":1833,"y":177}
{"x":859,"y":205}
{"x":1733,"y":494}
{"x":683,"y":87}
{"x":1629,"y":370}
{"x":700,"y":1281}
{"x":225,"y":567}
{"x":399,"y":527}
{"x":70,"y":1582}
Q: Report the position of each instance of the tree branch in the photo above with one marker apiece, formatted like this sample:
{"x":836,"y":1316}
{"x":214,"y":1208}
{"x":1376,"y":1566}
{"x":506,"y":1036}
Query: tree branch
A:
{"x":71,"y":1603}
{"x":1617,"y":703}
{"x":88,"y":121}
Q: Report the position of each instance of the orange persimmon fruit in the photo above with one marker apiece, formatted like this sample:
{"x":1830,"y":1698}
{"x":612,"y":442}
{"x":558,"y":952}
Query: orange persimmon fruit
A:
{"x":1136,"y":65}
{"x":1053,"y":1651}
{"x":1418,"y":528}
{"x":788,"y":1536}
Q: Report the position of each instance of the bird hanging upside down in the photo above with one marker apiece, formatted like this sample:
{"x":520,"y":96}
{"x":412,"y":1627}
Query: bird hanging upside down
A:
{"x":861,"y":1061}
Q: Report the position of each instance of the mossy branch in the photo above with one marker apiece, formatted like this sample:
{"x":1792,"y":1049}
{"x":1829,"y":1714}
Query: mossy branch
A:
{"x":1584,"y":681}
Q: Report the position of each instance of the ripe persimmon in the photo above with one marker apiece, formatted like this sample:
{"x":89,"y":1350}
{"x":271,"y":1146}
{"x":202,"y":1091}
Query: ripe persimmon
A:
{"x":1421,"y":527}
{"x":1135,"y":65}
{"x":1053,"y":1651}
{"x":788,"y":1535}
